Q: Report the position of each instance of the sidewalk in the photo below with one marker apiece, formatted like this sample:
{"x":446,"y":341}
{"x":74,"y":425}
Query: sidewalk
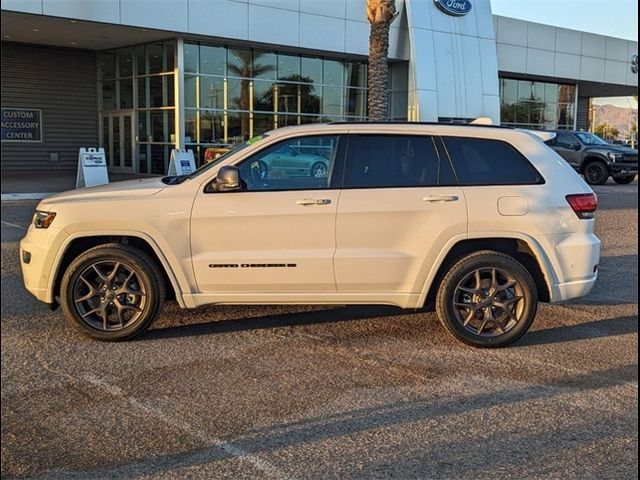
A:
{"x":37,"y":185}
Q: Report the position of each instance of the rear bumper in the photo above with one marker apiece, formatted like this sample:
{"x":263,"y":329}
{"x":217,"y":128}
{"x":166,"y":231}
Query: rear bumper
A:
{"x":569,"y":290}
{"x":577,"y":258}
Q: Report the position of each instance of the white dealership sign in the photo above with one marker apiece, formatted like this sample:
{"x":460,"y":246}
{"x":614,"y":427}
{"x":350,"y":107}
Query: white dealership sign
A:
{"x":92,"y":168}
{"x":181,"y":162}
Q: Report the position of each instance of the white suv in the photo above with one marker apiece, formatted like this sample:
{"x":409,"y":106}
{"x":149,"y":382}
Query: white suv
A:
{"x":486,"y":221}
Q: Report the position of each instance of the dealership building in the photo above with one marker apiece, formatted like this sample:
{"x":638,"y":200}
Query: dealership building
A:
{"x":141,"y":77}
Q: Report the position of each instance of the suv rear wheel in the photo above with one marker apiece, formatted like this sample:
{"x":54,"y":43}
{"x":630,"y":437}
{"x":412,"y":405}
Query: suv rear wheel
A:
{"x":596,"y":173}
{"x":488,"y":299}
{"x":112,"y":292}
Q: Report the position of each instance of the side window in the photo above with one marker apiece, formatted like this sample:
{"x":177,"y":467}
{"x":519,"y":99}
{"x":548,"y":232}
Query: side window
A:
{"x":479,"y":161}
{"x":301,"y":163}
{"x":394,"y":161}
{"x":565,"y":140}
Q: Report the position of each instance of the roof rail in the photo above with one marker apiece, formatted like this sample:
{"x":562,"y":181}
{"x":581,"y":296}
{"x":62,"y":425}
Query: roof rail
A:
{"x":405,"y":122}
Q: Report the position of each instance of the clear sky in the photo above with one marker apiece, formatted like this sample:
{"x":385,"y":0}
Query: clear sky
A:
{"x":614,"y":18}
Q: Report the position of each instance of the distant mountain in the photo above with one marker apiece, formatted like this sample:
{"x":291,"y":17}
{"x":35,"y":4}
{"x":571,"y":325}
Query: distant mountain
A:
{"x":616,"y":116}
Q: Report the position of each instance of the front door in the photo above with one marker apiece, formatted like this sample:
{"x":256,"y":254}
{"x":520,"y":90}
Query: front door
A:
{"x":118,"y":135}
{"x":277,"y":236}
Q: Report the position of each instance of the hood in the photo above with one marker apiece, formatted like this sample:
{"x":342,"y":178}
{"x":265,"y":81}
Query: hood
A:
{"x":614,"y":148}
{"x":142,"y":187}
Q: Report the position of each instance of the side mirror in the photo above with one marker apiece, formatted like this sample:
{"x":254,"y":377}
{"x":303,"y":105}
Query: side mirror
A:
{"x":228,"y":179}
{"x":575,"y":146}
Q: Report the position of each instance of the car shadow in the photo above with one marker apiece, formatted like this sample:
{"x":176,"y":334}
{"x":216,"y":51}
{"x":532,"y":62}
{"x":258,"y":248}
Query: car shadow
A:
{"x":295,"y":319}
{"x":589,"y":330}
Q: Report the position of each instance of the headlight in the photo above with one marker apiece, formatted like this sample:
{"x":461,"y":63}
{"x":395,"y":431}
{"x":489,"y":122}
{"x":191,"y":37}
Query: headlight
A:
{"x":615,"y":156}
{"x":43,"y":219}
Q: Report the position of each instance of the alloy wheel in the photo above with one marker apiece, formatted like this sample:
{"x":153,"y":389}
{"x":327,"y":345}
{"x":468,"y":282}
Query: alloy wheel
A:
{"x":319,"y":170}
{"x":488,"y":302}
{"x":109,"y":295}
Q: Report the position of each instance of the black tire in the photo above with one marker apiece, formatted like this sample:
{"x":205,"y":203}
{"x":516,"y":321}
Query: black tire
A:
{"x":624,"y":180}
{"x":454,"y":294}
{"x":596,"y":173}
{"x":92,"y":301}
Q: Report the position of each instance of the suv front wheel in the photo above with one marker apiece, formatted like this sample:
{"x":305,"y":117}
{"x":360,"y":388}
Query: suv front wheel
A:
{"x":112,"y":292}
{"x":488,"y":299}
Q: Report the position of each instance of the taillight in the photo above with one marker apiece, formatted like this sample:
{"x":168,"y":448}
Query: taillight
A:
{"x":584,"y":204}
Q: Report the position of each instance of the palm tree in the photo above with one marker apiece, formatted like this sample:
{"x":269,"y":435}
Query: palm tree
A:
{"x":380,"y":13}
{"x":246,"y":68}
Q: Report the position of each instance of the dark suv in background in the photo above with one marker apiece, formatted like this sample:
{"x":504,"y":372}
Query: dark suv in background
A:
{"x":594,"y":158}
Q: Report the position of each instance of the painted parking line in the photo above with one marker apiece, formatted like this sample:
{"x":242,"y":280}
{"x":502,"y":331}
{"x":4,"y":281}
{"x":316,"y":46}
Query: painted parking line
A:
{"x":13,"y":225}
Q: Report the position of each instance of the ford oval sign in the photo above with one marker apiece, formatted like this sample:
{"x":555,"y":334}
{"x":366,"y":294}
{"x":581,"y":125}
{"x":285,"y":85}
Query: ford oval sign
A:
{"x":454,"y":7}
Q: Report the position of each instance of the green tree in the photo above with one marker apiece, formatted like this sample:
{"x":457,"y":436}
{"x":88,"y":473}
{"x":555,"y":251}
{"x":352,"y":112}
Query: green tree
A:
{"x":380,"y":13}
{"x":606,"y":131}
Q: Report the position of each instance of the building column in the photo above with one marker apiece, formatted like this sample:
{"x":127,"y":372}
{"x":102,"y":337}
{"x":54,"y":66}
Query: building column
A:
{"x":583,"y":113}
{"x":178,"y":82}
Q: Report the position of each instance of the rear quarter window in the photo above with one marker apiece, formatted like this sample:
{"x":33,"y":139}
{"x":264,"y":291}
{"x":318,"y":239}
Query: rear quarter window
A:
{"x":480,"y":161}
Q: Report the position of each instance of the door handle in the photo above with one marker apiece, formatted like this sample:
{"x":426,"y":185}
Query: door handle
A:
{"x":314,"y":201}
{"x":440,"y":198}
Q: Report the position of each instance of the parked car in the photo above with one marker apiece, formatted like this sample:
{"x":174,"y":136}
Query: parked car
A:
{"x":485,"y":221}
{"x":596,"y":159}
{"x":287,"y":160}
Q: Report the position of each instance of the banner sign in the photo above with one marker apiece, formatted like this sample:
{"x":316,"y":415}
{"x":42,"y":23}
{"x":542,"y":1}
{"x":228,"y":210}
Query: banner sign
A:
{"x":21,"y":125}
{"x":181,"y":162}
{"x":92,"y":168}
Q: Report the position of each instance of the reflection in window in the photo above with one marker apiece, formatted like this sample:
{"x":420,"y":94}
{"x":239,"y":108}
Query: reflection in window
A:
{"x":125,"y":62}
{"x":213,"y":60}
{"x":191,"y":58}
{"x":537,"y":105}
{"x":212,"y":127}
{"x":296,"y":164}
{"x":211,"y":92}
{"x":312,"y":70}
{"x":288,"y":66}
{"x":126,"y":94}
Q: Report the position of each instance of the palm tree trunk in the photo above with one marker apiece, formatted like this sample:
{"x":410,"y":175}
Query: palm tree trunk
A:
{"x":378,"y":98}
{"x":380,"y":14}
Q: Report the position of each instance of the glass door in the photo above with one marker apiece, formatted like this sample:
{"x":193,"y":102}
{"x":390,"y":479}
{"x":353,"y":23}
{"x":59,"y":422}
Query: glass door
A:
{"x":118,"y":140}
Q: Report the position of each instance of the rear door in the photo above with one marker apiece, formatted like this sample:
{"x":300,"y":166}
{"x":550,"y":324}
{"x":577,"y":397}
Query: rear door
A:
{"x":399,"y":206}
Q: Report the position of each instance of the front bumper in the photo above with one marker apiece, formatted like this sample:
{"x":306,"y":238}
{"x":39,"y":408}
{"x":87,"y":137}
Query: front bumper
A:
{"x":623,"y":169}
{"x":43,"y":245}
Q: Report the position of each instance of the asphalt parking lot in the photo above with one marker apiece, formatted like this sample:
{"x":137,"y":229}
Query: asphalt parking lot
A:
{"x":358,"y":392}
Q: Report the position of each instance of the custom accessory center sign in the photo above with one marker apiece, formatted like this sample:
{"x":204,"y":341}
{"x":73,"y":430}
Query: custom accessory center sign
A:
{"x":21,"y":125}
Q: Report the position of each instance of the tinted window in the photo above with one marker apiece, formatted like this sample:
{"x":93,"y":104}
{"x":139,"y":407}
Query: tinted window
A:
{"x":303,"y":163}
{"x":394,"y":161}
{"x":565,"y":140}
{"x":489,"y":162}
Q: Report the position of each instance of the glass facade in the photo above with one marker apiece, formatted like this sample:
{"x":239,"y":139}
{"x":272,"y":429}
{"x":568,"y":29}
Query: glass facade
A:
{"x":230,"y":95}
{"x":537,"y":105}
{"x":233,"y":94}
{"x":138,"y":82}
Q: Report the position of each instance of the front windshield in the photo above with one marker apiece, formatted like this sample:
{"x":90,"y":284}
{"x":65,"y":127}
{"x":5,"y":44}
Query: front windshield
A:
{"x":590,"y":139}
{"x":235,"y":149}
